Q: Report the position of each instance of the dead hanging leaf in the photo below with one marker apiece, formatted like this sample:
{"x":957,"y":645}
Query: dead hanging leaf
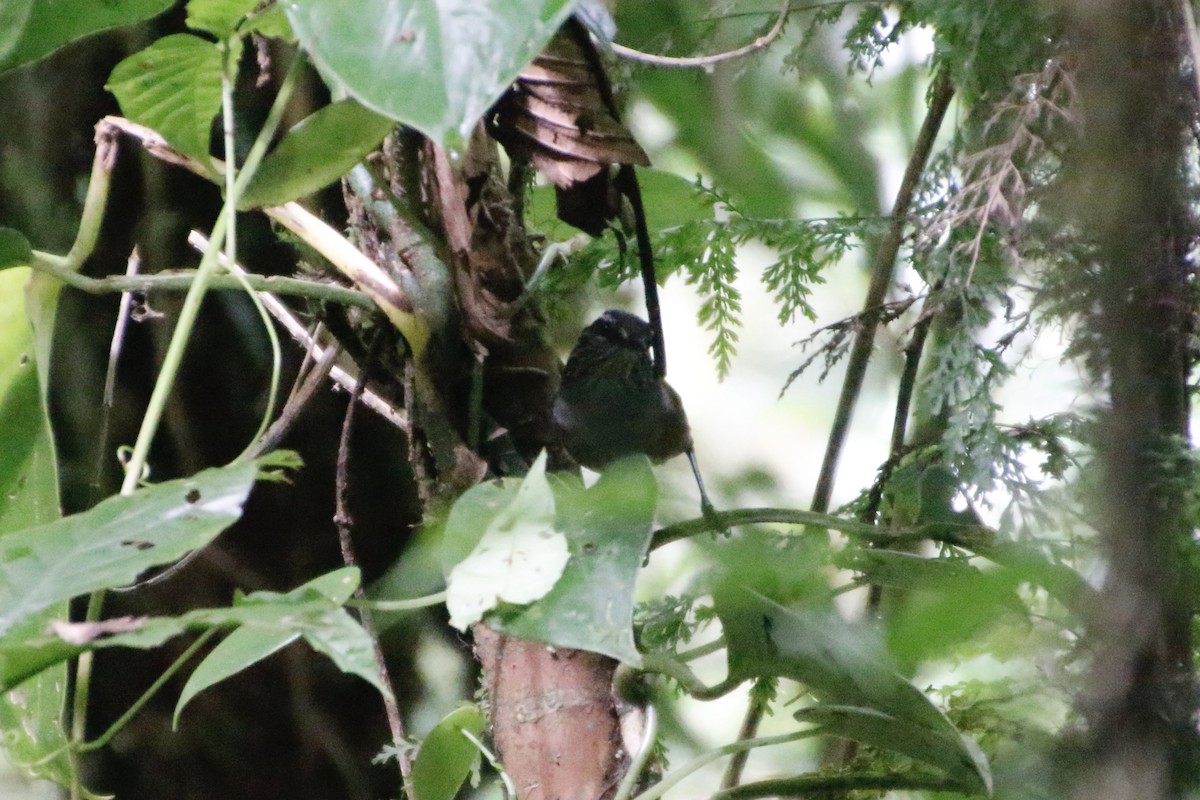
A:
{"x":560,"y":116}
{"x":80,"y":633}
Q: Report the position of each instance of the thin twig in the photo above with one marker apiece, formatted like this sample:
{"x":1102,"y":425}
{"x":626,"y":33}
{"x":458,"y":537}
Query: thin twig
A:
{"x":344,"y":523}
{"x":704,"y":61}
{"x":881,"y":277}
{"x":110,"y":375}
{"x":346,"y":377}
{"x":181,"y":281}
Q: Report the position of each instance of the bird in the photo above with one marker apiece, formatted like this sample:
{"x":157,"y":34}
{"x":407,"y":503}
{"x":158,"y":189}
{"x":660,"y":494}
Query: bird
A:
{"x":612,"y":403}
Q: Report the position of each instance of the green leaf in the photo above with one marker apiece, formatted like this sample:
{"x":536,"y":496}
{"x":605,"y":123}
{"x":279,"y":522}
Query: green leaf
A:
{"x":436,"y":65}
{"x":518,"y":559}
{"x":311,"y":611}
{"x":236,"y":652}
{"x":28,"y":472}
{"x":31,"y":715}
{"x":174,"y":87}
{"x":31,"y":29}
{"x":271,"y":22}
{"x":840,"y":663}
{"x":316,"y":152}
{"x":322,"y":623}
{"x":14,"y":249}
{"x":29,"y":487}
{"x":218,"y":17}
{"x":591,"y":606}
{"x":470,"y":517}
{"x":957,"y":756}
{"x":110,"y":544}
{"x":670,"y":201}
{"x":446,"y":757}
{"x":941,"y":614}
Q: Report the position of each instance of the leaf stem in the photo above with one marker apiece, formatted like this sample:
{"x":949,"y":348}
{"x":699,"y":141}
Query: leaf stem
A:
{"x":158,"y":684}
{"x":412,"y":604}
{"x":195,"y":295}
{"x":703,"y":760}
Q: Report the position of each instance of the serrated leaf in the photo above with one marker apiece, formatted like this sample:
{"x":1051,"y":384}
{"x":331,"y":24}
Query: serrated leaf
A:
{"x":272,"y":22}
{"x":591,"y":606}
{"x":110,"y":544}
{"x":446,"y":757}
{"x":174,"y":87}
{"x":517,"y":560}
{"x":218,"y":17}
{"x":32,"y":29}
{"x":316,"y":152}
{"x":436,"y":65}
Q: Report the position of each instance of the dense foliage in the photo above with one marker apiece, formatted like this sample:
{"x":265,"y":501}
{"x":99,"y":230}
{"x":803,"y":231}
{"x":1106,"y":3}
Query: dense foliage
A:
{"x":951,"y":628}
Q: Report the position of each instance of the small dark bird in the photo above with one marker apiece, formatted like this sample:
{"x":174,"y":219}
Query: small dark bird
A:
{"x":611,"y":403}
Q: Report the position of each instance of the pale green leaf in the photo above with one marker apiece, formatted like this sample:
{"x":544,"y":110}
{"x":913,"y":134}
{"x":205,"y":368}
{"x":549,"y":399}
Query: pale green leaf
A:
{"x":518,"y":559}
{"x":218,"y":17}
{"x":608,"y":528}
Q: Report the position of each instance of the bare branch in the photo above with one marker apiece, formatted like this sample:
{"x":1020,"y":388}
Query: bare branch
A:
{"x":705,"y":61}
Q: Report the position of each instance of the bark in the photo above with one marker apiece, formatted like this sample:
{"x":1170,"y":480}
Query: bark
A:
{"x":1128,"y":190}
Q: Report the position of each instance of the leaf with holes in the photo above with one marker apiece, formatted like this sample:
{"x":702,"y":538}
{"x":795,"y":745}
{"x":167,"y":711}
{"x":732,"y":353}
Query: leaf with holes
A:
{"x":112,"y":543}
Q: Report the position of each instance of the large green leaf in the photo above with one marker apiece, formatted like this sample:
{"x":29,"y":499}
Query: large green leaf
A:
{"x":315,"y":153}
{"x":31,"y":29}
{"x":608,"y":528}
{"x":28,"y":476}
{"x":31,"y":717}
{"x":436,"y":65}
{"x":446,"y":756}
{"x":842,"y":665}
{"x":174,"y":87}
{"x":110,"y":544}
{"x":31,"y":714}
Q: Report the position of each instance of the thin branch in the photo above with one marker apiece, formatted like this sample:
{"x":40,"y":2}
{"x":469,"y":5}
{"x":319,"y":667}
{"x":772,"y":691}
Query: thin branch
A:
{"x":881,"y":277}
{"x":705,"y":61}
{"x":181,"y":281}
{"x":346,"y":377}
{"x":344,"y":522}
{"x":809,"y":785}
